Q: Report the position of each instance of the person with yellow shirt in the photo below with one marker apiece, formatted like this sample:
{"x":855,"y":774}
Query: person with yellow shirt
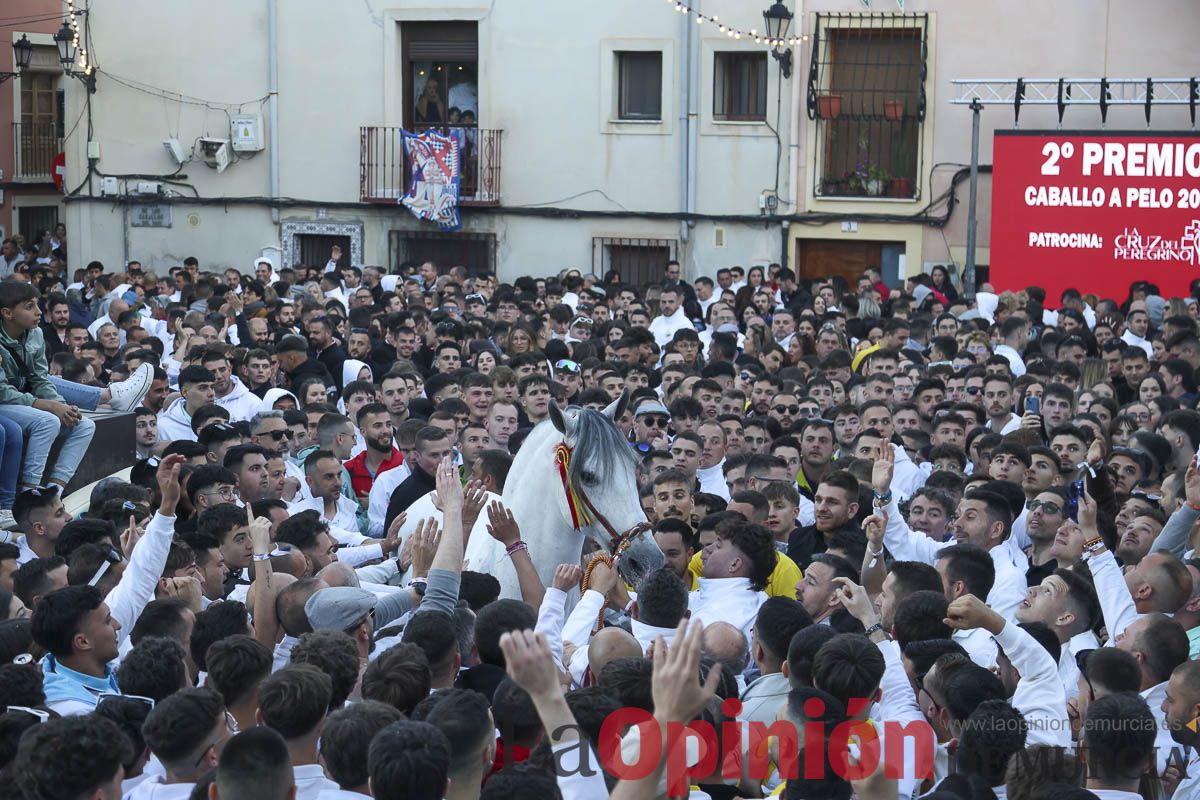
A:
{"x":784,"y":577}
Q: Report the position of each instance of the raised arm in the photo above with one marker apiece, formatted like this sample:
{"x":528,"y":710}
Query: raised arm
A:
{"x":149,"y":555}
{"x":266,"y":623}
{"x":1116,"y":603}
{"x":901,"y":541}
{"x":502,"y":527}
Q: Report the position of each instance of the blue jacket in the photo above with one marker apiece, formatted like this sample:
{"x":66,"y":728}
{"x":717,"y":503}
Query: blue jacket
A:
{"x":62,"y":683}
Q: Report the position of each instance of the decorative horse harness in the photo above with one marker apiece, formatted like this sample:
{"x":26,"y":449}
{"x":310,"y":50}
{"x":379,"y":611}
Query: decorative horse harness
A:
{"x":582,"y":510}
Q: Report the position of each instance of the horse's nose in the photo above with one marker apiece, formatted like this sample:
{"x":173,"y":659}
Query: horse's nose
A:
{"x":635,"y":565}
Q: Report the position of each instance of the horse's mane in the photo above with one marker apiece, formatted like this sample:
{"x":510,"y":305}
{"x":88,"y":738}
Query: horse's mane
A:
{"x":598,"y":444}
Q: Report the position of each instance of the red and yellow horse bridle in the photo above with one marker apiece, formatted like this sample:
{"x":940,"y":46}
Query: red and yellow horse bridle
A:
{"x":582,"y":510}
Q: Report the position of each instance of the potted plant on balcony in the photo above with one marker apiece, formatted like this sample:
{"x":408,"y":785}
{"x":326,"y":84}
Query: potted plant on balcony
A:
{"x":901,"y":184}
{"x":870,"y":178}
{"x":893,"y":110}
{"x":829,"y":106}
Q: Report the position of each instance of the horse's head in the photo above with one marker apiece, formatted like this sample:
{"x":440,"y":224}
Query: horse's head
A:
{"x":602,"y":470}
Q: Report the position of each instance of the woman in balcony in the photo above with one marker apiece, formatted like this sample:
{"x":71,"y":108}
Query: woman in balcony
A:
{"x":430,"y":110}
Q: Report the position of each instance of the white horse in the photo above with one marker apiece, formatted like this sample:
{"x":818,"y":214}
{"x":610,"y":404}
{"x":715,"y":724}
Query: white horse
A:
{"x":603,"y":505}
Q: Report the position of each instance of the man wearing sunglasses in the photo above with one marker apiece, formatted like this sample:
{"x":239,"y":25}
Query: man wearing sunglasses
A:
{"x":650,"y":423}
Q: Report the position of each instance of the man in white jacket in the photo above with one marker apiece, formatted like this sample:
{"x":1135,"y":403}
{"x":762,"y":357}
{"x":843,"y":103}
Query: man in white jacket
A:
{"x":671,"y":316}
{"x":983,"y":518}
{"x":230,"y":393}
{"x":736,"y":568}
{"x":175,"y":421}
{"x":1028,"y":672}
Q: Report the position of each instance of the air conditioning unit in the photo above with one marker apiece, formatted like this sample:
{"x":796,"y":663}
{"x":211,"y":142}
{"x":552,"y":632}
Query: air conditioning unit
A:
{"x":215,"y":153}
{"x":175,"y":150}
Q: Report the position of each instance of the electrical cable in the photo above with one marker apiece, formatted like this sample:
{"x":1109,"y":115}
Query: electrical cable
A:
{"x":923,"y":217}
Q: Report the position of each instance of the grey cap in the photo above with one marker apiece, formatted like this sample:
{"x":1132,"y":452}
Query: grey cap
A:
{"x":652,"y":407}
{"x":727,"y":327}
{"x":338,"y":607}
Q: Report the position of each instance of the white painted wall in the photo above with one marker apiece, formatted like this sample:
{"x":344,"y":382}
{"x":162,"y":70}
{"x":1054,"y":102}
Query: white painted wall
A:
{"x":547,"y":78}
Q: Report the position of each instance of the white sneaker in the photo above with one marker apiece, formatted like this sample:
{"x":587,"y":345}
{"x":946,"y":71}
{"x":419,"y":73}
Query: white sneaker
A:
{"x":7,"y":522}
{"x":126,"y":394}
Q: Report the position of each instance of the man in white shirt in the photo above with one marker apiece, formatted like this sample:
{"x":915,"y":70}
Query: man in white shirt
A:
{"x":345,"y":742}
{"x":186,"y":732}
{"x":983,"y":518}
{"x":294,"y":702}
{"x":1066,"y":603}
{"x":1137,"y":328}
{"x":998,"y":403}
{"x":1016,"y":338}
{"x":671,"y":316}
{"x":1028,"y":672}
{"x":736,"y":567}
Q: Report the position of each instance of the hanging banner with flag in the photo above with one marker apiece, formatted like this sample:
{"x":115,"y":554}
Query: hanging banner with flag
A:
{"x":433,"y":181}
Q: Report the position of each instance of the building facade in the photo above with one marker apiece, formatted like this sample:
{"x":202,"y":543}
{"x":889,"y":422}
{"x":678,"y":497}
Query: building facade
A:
{"x":32,"y":120}
{"x":596,"y":136}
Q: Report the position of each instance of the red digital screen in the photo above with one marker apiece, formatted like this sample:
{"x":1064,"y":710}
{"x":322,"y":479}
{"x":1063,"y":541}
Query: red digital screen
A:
{"x":1095,"y":211}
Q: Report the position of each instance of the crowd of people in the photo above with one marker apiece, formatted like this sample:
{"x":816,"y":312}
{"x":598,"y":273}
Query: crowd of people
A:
{"x":917,"y":541}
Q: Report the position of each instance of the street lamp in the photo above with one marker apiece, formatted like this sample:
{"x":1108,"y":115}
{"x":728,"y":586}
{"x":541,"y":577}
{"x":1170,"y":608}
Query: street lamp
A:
{"x":22,"y":54}
{"x":777,"y":19}
{"x":65,"y":41}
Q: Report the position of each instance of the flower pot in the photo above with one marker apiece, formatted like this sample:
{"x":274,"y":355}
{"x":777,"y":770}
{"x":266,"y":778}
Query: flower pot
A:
{"x":829,"y":106}
{"x":900,"y":187}
{"x":893,"y":109}
{"x":873,"y":187}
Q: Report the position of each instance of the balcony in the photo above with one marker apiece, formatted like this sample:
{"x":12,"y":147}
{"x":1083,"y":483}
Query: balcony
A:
{"x":36,"y":145}
{"x":384,"y":169}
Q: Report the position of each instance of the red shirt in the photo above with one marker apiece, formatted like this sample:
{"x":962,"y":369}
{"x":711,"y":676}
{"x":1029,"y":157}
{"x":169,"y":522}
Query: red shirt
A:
{"x":361,"y":478}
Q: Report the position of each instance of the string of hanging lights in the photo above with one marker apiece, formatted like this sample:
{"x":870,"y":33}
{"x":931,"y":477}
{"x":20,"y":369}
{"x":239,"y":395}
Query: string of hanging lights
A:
{"x":769,"y":38}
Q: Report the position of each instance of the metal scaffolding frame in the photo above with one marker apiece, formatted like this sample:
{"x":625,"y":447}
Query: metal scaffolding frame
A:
{"x":1063,"y":92}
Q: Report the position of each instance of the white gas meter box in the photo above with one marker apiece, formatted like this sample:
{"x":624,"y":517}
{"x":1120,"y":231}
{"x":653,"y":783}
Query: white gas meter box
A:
{"x":246,"y":132}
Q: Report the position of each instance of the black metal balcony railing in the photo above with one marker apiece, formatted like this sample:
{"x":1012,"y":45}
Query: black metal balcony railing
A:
{"x":863,"y":157}
{"x":36,"y":145}
{"x":384,"y":169}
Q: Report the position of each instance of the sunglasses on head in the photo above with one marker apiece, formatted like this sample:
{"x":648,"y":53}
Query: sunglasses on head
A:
{"x":111,"y":556}
{"x":42,"y":491}
{"x":475,"y":298}
{"x":567,"y":365}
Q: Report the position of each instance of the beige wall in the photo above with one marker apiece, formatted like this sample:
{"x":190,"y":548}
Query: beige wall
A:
{"x":1018,"y":38}
{"x":546,"y":79}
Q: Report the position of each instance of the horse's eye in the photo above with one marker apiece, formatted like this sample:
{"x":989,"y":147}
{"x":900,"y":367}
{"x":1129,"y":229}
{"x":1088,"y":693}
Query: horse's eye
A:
{"x":589,"y":477}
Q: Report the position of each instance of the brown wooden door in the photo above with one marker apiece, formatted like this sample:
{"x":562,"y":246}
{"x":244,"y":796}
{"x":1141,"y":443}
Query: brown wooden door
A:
{"x":39,"y":124}
{"x":824,"y":258}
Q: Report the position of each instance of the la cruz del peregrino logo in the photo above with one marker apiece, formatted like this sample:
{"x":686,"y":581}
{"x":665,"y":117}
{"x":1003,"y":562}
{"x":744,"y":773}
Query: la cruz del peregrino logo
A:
{"x":1132,"y":245}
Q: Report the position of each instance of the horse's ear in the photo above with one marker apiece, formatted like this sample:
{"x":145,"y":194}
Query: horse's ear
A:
{"x":616,"y":409}
{"x":556,"y":417}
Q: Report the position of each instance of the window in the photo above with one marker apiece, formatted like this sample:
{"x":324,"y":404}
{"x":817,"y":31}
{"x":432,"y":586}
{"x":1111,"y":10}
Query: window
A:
{"x":40,"y":131}
{"x":639,"y":83}
{"x":441,"y":75}
{"x":638,"y":261}
{"x":866,"y":91}
{"x":315,"y":249}
{"x":475,"y":251}
{"x":740,"y":87}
